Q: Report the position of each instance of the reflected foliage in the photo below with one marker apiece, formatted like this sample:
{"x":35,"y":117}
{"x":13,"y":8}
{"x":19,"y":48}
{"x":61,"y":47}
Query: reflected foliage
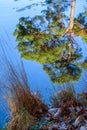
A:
{"x":84,"y":64}
{"x":41,"y":39}
{"x":60,"y":75}
{"x":29,"y":6}
{"x":65,"y":71}
{"x":80,"y":26}
{"x":38,"y":38}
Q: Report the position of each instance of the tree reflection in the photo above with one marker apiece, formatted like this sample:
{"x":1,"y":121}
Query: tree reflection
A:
{"x":61,"y":72}
{"x":80,"y":26}
{"x":60,"y":75}
{"x":47,"y":40}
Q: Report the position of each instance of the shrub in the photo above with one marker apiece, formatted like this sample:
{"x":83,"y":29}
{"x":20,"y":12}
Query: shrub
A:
{"x":66,"y":94}
{"x":82,"y":99}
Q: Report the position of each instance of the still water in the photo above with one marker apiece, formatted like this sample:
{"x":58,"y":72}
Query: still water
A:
{"x":42,"y":75}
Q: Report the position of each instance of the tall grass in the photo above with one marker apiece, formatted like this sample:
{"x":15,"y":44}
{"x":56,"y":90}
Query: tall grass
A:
{"x":19,"y":95}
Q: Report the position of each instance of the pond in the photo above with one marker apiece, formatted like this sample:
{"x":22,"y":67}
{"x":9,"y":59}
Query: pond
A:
{"x":34,"y":31}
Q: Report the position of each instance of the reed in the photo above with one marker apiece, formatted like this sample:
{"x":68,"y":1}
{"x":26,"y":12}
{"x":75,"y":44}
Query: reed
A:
{"x":19,"y":96}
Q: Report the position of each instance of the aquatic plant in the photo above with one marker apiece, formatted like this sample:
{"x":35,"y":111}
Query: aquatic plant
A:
{"x":25,"y":107}
{"x":82,"y":98}
{"x":67,"y":97}
{"x":66,"y":94}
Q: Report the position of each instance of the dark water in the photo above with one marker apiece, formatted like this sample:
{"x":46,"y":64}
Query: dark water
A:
{"x":45,"y":69}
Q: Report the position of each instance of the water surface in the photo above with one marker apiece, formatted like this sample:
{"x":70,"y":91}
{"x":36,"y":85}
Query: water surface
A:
{"x":38,"y":75}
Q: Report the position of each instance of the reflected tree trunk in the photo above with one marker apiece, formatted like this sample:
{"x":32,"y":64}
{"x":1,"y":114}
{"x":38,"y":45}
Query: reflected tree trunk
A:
{"x":71,"y":23}
{"x":72,"y":15}
{"x":70,"y":27}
